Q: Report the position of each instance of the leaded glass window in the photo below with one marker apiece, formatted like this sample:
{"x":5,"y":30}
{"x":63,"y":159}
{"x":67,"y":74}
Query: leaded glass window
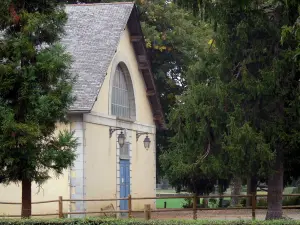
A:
{"x":120,"y":104}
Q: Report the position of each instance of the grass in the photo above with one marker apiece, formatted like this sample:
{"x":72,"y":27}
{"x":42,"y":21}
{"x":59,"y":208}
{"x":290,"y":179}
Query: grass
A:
{"x":178,"y":202}
{"x":174,"y":203}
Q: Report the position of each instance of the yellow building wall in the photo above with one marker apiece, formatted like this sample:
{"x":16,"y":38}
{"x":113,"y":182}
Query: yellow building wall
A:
{"x":100,"y":167}
{"x":51,"y":190}
{"x":101,"y":172}
{"x":143,"y":173}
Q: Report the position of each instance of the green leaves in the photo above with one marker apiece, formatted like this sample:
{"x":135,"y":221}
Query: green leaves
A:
{"x":242,"y":95}
{"x":58,"y":152}
{"x":35,"y":92}
{"x":248,"y":152}
{"x":107,"y":221}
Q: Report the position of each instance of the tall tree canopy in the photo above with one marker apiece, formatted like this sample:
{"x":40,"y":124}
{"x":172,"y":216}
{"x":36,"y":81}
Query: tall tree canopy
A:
{"x":175,"y":40}
{"x":35,"y":94}
{"x":243,"y":98}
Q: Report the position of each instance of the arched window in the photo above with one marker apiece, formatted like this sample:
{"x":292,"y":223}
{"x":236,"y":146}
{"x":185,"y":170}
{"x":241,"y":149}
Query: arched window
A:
{"x":122,"y":102}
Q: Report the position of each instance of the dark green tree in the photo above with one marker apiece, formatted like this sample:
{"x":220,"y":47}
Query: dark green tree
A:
{"x":172,"y":37}
{"x":35,"y":94}
{"x":247,"y":99}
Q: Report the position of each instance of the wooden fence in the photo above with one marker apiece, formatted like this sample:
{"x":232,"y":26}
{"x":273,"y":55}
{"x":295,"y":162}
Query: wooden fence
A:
{"x":147,"y":209}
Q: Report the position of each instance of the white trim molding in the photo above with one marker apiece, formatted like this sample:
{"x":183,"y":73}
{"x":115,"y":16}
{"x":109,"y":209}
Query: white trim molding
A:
{"x":113,"y":121}
{"x":77,"y":176}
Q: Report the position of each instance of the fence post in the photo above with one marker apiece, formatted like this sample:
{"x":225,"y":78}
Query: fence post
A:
{"x":60,"y":207}
{"x":253,"y":203}
{"x":147,"y":212}
{"x":195,"y":207}
{"x":129,"y":207}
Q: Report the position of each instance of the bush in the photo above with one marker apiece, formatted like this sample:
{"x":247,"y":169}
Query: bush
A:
{"x":291,"y":201}
{"x":296,"y":190}
{"x":262,"y":202}
{"x":243,"y":202}
{"x":213,"y":203}
{"x":95,"y":221}
{"x":188,"y":203}
{"x":225,"y":203}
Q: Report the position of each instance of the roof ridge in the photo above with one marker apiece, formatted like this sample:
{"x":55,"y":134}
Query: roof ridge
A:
{"x":100,"y":3}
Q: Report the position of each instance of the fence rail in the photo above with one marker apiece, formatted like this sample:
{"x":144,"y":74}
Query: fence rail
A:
{"x":147,"y":209}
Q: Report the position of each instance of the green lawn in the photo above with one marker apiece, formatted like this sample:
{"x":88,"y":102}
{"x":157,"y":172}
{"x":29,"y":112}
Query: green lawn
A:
{"x":178,"y":202}
{"x":174,"y":203}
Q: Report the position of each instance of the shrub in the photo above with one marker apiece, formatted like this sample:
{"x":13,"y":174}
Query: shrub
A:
{"x":262,"y":202}
{"x":296,"y":190}
{"x":291,"y":201}
{"x":225,"y":203}
{"x":188,"y":203}
{"x":243,"y":202}
{"x":213,"y":203}
{"x":95,"y":221}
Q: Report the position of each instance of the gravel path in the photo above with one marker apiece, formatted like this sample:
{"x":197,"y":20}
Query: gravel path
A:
{"x":219,"y":214}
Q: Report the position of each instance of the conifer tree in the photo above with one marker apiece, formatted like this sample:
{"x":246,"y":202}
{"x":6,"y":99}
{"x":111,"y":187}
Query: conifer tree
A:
{"x":35,"y":94}
{"x":243,"y":99}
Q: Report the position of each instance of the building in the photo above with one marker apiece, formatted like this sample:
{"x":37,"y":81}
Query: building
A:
{"x":116,"y":99}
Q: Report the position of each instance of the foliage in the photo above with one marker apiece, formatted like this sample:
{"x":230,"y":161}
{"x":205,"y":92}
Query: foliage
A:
{"x":35,"y":92}
{"x":243,"y":202}
{"x":188,"y":203}
{"x":213,"y":203}
{"x":242,"y":100}
{"x":172,"y":37}
{"x":288,"y":201}
{"x":95,"y":221}
{"x":262,"y":202}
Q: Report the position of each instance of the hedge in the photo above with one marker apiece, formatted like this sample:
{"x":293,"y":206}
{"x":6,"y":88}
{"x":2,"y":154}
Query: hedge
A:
{"x":91,"y":221}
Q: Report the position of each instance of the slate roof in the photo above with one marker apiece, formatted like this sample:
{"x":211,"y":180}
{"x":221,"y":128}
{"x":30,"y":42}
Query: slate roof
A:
{"x":92,"y":35}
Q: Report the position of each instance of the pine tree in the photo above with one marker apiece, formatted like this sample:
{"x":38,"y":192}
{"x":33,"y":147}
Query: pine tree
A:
{"x":35,"y":94}
{"x":246,"y":100}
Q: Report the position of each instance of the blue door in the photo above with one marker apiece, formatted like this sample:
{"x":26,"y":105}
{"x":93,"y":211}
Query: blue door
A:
{"x":124,"y":182}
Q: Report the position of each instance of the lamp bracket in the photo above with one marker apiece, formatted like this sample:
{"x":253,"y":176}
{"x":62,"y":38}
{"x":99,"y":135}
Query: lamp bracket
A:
{"x":113,"y":129}
{"x":138,"y":134}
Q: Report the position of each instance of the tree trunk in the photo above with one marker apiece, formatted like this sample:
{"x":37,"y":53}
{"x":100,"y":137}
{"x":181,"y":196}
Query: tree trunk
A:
{"x":235,"y":190}
{"x":251,"y":188}
{"x":275,"y":188}
{"x":26,"y":198}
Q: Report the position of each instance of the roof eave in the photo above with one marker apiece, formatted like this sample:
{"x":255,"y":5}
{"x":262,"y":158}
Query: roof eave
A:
{"x":139,"y":46}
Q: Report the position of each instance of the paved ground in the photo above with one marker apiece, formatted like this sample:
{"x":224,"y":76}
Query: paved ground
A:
{"x":219,"y":214}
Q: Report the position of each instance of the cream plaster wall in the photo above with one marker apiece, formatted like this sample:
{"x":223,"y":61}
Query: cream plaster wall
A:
{"x":100,"y":166}
{"x":143,"y":173}
{"x":101,"y":172}
{"x":51,"y":190}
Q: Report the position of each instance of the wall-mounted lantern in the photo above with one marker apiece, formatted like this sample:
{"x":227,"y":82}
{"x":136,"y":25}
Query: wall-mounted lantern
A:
{"x":147,"y":140}
{"x":121,"y":136}
{"x":121,"y":139}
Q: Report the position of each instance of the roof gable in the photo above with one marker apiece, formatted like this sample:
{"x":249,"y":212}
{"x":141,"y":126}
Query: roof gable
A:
{"x":92,"y":35}
{"x":93,"y":32}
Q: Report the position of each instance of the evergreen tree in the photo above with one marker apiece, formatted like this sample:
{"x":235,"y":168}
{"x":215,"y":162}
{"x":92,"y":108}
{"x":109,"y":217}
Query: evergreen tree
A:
{"x":244,"y":101}
{"x":172,"y":38}
{"x":35,"y":94}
